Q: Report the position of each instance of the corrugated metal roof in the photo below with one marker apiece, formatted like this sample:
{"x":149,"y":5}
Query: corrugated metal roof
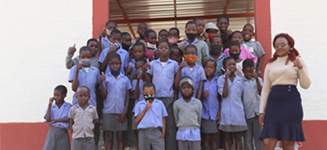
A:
{"x":144,"y":10}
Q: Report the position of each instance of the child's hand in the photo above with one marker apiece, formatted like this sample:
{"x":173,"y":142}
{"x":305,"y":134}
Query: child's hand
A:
{"x":218,"y":117}
{"x":79,"y":66}
{"x":183,"y":46}
{"x":255,"y":75}
{"x":51,"y":100}
{"x":205,"y":35}
{"x":72,"y":50}
{"x":103,"y":77}
{"x":228,"y":73}
{"x":52,"y":122}
{"x":183,"y":64}
{"x":148,"y":105}
{"x":140,"y":75}
{"x":147,"y":65}
{"x":129,"y":68}
{"x":206,"y":93}
{"x":261,"y":119}
{"x":112,"y":49}
{"x":133,"y":76}
{"x":121,"y":118}
{"x":297,"y":63}
{"x":103,"y":33}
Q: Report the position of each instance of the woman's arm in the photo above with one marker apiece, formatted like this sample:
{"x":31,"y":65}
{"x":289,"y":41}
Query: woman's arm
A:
{"x":265,"y":90}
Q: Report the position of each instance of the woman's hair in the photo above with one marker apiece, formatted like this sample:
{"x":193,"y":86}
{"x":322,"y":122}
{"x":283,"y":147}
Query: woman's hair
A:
{"x":293,"y":53}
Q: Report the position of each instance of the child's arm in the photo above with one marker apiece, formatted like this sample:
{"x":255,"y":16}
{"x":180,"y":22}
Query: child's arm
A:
{"x":259,"y":87}
{"x":146,"y":67}
{"x":75,"y":81}
{"x":128,"y":70}
{"x":48,"y":115}
{"x":179,"y":73}
{"x":225,"y":89}
{"x":122,"y":117}
{"x":71,"y":123}
{"x":175,"y":111}
{"x":199,"y":92}
{"x":205,"y":53}
{"x":199,"y":113}
{"x":59,"y":120}
{"x":136,"y":91}
{"x":163,"y":130}
{"x":259,"y":64}
{"x":141,"y":115}
{"x":69,"y":61}
{"x":219,"y":109}
{"x":112,"y":49}
{"x":103,"y":91}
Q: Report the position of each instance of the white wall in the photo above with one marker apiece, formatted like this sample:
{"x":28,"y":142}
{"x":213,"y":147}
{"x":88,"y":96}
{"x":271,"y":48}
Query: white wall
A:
{"x":306,"y":22}
{"x":35,"y":36}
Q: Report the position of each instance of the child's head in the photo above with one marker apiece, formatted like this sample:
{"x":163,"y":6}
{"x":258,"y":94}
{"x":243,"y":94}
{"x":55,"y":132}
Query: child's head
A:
{"x":59,"y":93}
{"x":190,"y":53}
{"x":138,"y":50}
{"x":141,"y":28}
{"x":93,"y":44}
{"x":126,"y":40}
{"x":210,"y":67}
{"x":149,"y":91}
{"x":229,"y":64}
{"x":211,"y":29}
{"x":173,"y":36}
{"x":83,"y":95}
{"x":191,"y":30}
{"x":247,"y":32}
{"x":163,"y":49}
{"x":237,"y":36}
{"x":175,"y":53}
{"x":216,"y":44}
{"x":234,"y":49}
{"x":163,"y":35}
{"x":139,"y":63}
{"x":248,"y":68}
{"x":110,"y":25}
{"x":223,"y":23}
{"x":199,"y":24}
{"x":85,"y":55}
{"x":114,"y":63}
{"x":186,"y":86}
{"x":115,"y":36}
{"x":151,"y":39}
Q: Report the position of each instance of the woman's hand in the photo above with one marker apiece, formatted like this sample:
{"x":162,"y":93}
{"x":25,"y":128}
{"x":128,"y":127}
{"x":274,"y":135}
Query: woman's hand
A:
{"x":261,"y":119}
{"x":297,"y":63}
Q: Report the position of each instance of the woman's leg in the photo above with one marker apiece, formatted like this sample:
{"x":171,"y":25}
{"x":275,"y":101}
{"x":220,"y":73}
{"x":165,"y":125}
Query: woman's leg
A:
{"x":288,"y":145}
{"x":120,"y":140}
{"x":269,"y":143}
{"x":238,"y":140}
{"x":109,"y":140}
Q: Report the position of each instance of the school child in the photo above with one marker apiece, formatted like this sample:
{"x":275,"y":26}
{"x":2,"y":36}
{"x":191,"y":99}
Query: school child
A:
{"x":216,"y":54}
{"x":151,"y":43}
{"x":163,"y":35}
{"x":187,"y":112}
{"x":245,"y":54}
{"x":211,"y":29}
{"x":190,"y":68}
{"x":138,"y":52}
{"x":222,"y":24}
{"x":114,"y":88}
{"x":150,"y":117}
{"x":162,"y":72}
{"x":104,"y":36}
{"x":175,"y":54}
{"x":83,"y":117}
{"x":230,"y":87}
{"x":173,"y":36}
{"x":234,"y":52}
{"x":93,"y":44}
{"x":84,"y":74}
{"x":141,"y":28}
{"x":253,"y":46}
{"x":56,"y":117}
{"x":200,"y":28}
{"x":202,"y":47}
{"x":210,"y":107}
{"x":116,"y":47}
{"x":126,"y":40}
{"x":251,"y":101}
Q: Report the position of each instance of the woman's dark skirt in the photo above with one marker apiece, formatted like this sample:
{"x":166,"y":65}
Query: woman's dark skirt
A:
{"x":284,"y":114}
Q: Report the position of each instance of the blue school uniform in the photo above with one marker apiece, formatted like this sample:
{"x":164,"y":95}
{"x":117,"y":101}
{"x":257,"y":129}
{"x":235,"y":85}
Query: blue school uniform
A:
{"x":141,"y":83}
{"x":219,"y":61}
{"x":251,"y":97}
{"x":105,"y":42}
{"x":232,"y":110}
{"x":124,"y":57}
{"x":89,"y":79}
{"x":197,"y":74}
{"x":163,"y":77}
{"x":153,"y":117}
{"x":58,"y":113}
{"x":116,"y":93}
{"x":210,"y":105}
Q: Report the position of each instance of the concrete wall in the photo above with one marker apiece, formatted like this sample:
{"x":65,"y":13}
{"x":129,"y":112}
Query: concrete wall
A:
{"x":306,"y":22}
{"x":35,"y":36}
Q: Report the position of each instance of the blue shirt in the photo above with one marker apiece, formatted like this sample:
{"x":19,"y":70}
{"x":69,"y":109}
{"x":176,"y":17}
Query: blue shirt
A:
{"x":153,"y":117}
{"x":163,"y":77}
{"x":219,"y":61}
{"x":105,"y":42}
{"x":58,"y":113}
{"x":197,"y":74}
{"x":251,"y":97}
{"x":210,"y":105}
{"x":141,"y":83}
{"x":89,"y":79}
{"x":116,"y":93}
{"x":232,"y":110}
{"x":124,"y":57}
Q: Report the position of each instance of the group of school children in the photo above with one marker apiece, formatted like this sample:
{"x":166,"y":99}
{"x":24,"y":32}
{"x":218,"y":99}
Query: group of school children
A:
{"x":181,"y":92}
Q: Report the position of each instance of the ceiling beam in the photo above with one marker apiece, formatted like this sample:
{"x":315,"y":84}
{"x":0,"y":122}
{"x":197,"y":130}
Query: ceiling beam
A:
{"x":124,"y":18}
{"x":227,"y":6}
{"x":125,"y":21}
{"x":175,"y":13}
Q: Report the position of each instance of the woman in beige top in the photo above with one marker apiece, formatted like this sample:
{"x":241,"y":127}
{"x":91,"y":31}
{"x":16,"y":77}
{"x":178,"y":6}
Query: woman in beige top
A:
{"x":281,"y":111}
